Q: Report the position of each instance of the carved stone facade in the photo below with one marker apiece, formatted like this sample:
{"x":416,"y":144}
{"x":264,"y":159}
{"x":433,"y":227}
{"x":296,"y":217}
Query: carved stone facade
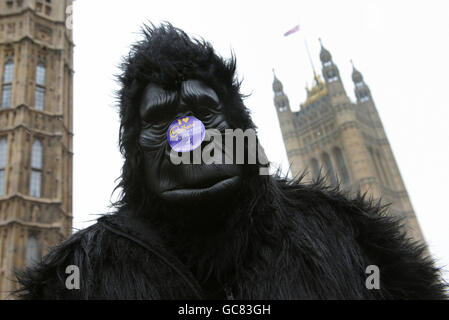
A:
{"x":344,"y":141}
{"x":36,"y":103}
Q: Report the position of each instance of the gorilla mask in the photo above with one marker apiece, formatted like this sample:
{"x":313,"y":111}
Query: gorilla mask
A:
{"x":169,"y":76}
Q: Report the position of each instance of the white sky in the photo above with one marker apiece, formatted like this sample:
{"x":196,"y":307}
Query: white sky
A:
{"x":400,"y":47}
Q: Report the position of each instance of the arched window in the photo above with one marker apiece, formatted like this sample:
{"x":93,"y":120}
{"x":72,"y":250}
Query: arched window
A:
{"x":8,"y":72}
{"x":40,"y":6}
{"x":48,"y":8}
{"x":315,"y":168}
{"x":364,"y":96}
{"x":8,"y":77}
{"x":344,"y":175}
{"x":382,"y":174}
{"x":39,"y":92}
{"x":376,"y":166}
{"x":40,"y":74}
{"x":32,"y":250}
{"x":330,"y":169}
{"x":282,"y":105}
{"x":3,"y":160}
{"x":384,"y":168}
{"x":36,"y":169}
{"x":332,"y":75}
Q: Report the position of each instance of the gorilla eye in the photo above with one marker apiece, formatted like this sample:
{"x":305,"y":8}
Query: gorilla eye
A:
{"x":208,"y":109}
{"x":162,"y":123}
{"x":159,"y":124}
{"x":155,"y":124}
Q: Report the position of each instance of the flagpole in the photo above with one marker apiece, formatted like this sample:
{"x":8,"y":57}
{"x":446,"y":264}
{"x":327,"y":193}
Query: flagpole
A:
{"x":310,"y":57}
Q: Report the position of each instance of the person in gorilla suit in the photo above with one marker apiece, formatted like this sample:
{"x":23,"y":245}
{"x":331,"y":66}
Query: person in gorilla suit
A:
{"x":221,"y":231}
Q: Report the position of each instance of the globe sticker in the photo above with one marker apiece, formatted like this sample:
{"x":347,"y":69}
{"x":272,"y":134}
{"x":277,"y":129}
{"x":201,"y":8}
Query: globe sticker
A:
{"x":186,"y":134}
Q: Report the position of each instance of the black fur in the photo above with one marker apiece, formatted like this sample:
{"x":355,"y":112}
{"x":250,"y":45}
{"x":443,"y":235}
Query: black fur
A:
{"x":290,"y":241}
{"x":277,"y":239}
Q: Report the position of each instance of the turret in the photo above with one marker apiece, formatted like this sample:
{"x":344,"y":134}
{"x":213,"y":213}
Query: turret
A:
{"x":280,"y":98}
{"x":361,"y":89}
{"x":330,"y":70}
{"x":332,"y":78}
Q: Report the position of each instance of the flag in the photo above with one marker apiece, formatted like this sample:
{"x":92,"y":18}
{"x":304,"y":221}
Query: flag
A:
{"x":289,"y":32}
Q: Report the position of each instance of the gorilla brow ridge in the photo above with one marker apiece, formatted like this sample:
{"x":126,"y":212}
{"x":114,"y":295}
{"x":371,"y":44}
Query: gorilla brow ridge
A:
{"x":192,"y":92}
{"x":158,"y":107}
{"x":196,"y":92}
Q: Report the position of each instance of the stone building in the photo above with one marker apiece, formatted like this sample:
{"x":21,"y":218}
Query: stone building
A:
{"x":343,"y":140}
{"x":36,"y":73}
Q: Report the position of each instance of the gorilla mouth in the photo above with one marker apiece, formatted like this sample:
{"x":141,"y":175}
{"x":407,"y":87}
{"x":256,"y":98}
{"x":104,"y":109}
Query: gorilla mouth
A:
{"x":216,"y":190}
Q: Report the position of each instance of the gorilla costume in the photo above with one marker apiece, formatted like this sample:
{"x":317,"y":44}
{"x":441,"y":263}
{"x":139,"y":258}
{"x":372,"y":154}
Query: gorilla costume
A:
{"x":221,"y":231}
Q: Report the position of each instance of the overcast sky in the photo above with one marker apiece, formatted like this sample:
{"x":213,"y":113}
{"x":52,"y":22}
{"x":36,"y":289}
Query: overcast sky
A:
{"x":400,"y":47}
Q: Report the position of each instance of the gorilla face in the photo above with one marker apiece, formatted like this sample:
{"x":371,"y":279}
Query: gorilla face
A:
{"x":183,"y":182}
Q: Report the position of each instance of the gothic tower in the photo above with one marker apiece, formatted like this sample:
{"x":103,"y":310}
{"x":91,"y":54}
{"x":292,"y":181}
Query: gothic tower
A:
{"x":343,"y":140}
{"x":36,"y":73}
